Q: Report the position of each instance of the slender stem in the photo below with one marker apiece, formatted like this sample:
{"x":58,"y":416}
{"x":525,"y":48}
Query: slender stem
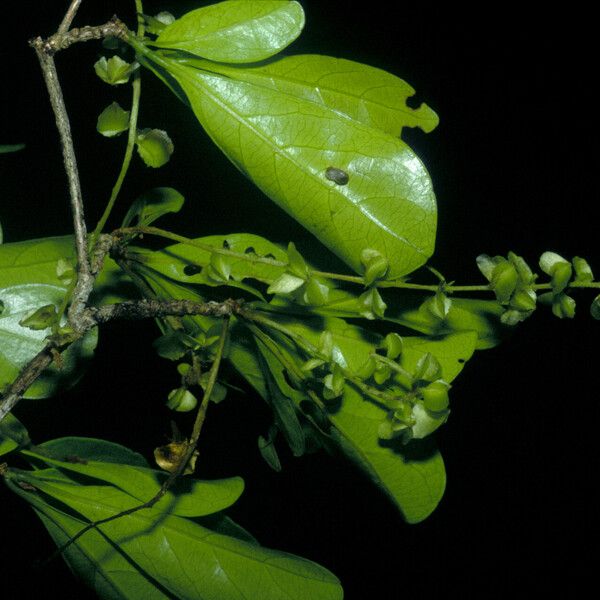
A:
{"x":131,"y":135}
{"x":69,"y":16}
{"x":28,"y":375}
{"x":85,"y":280}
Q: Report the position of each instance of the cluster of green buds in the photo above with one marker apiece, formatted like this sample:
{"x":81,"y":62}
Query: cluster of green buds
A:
{"x":154,"y":146}
{"x":177,"y":345}
{"x":562,"y":273}
{"x":420,"y":401}
{"x":298,"y":282}
{"x":512,"y":281}
{"x":329,"y":360}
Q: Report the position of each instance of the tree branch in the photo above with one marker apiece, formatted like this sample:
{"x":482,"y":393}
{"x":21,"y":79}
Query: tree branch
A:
{"x":26,"y":377}
{"x":91,"y":317}
{"x":69,"y":16}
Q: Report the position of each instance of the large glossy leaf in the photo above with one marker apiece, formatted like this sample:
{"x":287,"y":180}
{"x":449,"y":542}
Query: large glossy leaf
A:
{"x":235,"y":31}
{"x":188,"y":497}
{"x":361,"y":92}
{"x":186,"y":559}
{"x":93,"y":558}
{"x":20,"y":344}
{"x":287,"y":144}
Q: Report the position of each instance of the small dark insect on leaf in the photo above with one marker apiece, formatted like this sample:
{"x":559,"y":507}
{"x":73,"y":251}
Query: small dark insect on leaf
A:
{"x":337,"y":175}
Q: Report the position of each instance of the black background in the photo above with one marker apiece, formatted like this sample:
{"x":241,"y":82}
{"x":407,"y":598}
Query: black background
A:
{"x":514,"y":164}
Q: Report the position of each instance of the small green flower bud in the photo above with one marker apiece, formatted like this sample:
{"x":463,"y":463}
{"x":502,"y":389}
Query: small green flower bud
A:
{"x":376,"y":265}
{"x":393,"y":345}
{"x":549,"y":260}
{"x":439,"y":306}
{"x":583,"y":271}
{"x":181,"y":400}
{"x":154,"y":147}
{"x":526,"y":276}
{"x":372,"y":304}
{"x":297,"y":265}
{"x":512,"y":317}
{"x":382,"y":373}
{"x":115,"y":70}
{"x":563,"y":306}
{"x":428,"y":368}
{"x":435,"y":396}
{"x":486,"y":265}
{"x":333,"y":383}
{"x":523,"y":300}
{"x":561,"y":275}
{"x":315,"y":293}
{"x":285,"y":284}
{"x":504,"y":281}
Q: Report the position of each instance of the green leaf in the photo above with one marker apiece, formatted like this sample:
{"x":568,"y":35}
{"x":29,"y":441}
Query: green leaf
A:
{"x":154,"y":147}
{"x":84,"y":448}
{"x":182,"y":556}
{"x":266,"y":447}
{"x":249,"y":257}
{"x":12,"y":434}
{"x":19,"y":344}
{"x":114,"y":71}
{"x":363,"y":93}
{"x":235,"y":31}
{"x":188,"y":497}
{"x":281,"y":399}
{"x":388,"y":204}
{"x":412,"y":476}
{"x":152,"y":205}
{"x":45,"y":261}
{"x":113,"y":120}
{"x":93,"y":558}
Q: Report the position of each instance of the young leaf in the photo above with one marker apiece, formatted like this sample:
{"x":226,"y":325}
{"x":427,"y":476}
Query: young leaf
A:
{"x":235,"y":31}
{"x":154,"y":147}
{"x":152,"y":205}
{"x":113,"y":120}
{"x":388,"y":204}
